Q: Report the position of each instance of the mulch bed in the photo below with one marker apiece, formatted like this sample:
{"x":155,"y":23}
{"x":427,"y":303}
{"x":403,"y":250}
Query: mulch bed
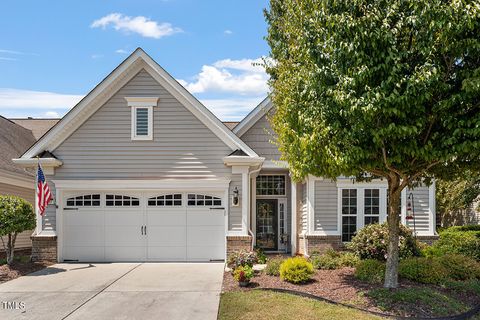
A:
{"x":341,"y":286}
{"x":18,"y":269}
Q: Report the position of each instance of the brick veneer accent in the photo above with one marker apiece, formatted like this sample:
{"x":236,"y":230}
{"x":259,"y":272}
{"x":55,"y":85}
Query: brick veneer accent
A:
{"x":428,"y":239}
{"x":322,"y":243}
{"x":44,"y":248}
{"x":235,"y":243}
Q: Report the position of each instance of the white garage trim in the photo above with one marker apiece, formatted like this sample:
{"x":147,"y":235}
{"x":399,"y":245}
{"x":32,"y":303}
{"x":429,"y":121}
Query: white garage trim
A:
{"x":187,"y":184}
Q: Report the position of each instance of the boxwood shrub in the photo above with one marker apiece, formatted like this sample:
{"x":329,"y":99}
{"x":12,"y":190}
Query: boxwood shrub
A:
{"x":334,"y":260}
{"x":296,"y":270}
{"x":371,"y":242}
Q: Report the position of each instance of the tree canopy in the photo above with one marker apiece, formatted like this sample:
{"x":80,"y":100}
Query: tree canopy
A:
{"x":376,"y":88}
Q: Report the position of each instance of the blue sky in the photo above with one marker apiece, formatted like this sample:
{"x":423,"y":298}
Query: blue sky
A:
{"x":52,"y":53}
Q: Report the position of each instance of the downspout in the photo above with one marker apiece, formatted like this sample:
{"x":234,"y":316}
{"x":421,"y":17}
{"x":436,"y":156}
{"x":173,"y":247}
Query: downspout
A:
{"x":250,"y":232}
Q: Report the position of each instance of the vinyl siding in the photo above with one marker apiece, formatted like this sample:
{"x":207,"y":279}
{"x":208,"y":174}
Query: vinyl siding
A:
{"x":325,"y":206}
{"x":23,"y":239}
{"x":259,"y":137}
{"x":422,"y":209}
{"x":235,"y":214}
{"x":182,"y":146}
{"x":101,"y":148}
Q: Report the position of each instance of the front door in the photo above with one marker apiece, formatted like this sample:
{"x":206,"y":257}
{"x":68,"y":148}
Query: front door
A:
{"x":267,"y":228}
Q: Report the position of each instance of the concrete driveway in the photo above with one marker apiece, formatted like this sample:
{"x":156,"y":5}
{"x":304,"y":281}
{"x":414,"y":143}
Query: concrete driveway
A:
{"x":115,"y":291}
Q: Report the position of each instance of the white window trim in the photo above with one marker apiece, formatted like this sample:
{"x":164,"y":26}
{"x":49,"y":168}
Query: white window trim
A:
{"x":142,"y":102}
{"x":272,"y":196}
{"x":360,"y":203}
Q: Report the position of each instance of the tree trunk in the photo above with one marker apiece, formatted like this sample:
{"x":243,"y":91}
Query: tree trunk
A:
{"x":11,"y":247}
{"x":393,"y":220}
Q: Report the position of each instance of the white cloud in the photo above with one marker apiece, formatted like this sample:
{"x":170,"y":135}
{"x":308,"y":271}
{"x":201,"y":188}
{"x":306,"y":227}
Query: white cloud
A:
{"x":28,"y":99}
{"x":97,"y":56}
{"x":228,"y":32}
{"x":8,"y":59}
{"x":231,"y":109}
{"x":121,"y":51}
{"x":51,"y":114}
{"x":140,"y":24}
{"x":233,"y":76}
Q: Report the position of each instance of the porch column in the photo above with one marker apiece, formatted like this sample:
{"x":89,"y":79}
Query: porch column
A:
{"x":293,"y":235}
{"x":243,"y":170}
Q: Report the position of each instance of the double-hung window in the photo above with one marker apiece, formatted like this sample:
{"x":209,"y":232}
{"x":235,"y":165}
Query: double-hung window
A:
{"x":142,"y":116}
{"x":360,"y":206}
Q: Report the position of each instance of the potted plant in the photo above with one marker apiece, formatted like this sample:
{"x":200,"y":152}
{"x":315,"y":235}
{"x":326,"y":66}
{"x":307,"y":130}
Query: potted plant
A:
{"x":243,"y":274}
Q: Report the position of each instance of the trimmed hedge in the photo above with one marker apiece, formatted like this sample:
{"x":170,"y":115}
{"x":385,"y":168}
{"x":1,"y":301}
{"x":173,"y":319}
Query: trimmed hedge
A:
{"x":439,"y":270}
{"x":463,"y":240}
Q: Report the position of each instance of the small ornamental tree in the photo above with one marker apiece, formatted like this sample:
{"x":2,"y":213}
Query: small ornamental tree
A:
{"x":16,"y":215}
{"x":377,"y":88}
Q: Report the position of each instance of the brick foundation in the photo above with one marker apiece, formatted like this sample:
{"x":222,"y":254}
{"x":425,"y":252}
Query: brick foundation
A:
{"x":44,"y":248}
{"x":235,"y":243}
{"x":317,"y":243}
{"x":428,"y":239}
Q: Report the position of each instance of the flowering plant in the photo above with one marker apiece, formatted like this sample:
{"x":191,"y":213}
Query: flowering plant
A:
{"x":243,"y":273}
{"x":371,"y":242}
{"x":242,"y":258}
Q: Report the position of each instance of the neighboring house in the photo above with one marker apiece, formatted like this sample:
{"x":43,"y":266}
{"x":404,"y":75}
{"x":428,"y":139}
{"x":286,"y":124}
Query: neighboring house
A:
{"x":142,"y":171}
{"x":14,"y":179}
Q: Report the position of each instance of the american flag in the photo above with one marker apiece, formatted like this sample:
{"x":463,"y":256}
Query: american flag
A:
{"x":44,"y":196}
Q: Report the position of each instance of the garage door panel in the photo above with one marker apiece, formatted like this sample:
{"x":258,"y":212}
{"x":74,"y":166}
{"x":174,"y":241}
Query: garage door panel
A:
{"x":170,"y":253}
{"x":167,"y":218}
{"x":123,"y":236}
{"x":75,"y":235}
{"x":84,"y":218}
{"x":166,"y":236}
{"x":122,"y":253}
{"x":204,"y":235}
{"x":123,"y":219}
{"x":84,"y":253}
{"x":205,"y":253}
{"x":208,"y":218}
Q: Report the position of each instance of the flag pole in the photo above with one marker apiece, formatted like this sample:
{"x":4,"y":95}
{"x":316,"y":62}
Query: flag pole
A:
{"x":37,"y":211}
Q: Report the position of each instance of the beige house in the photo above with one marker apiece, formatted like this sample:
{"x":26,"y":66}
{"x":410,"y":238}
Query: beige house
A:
{"x":142,"y":171}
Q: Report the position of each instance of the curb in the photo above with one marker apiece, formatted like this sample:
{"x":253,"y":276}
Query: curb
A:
{"x":463,"y":316}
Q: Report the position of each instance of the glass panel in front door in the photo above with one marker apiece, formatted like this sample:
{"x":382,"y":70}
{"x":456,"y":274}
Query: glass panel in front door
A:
{"x":267,"y":228}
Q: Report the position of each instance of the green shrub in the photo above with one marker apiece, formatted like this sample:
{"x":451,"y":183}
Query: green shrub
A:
{"x":243,"y":273}
{"x":457,"y":240}
{"x":261,"y":256}
{"x":296,"y":270}
{"x":349,"y":259}
{"x":423,"y":270}
{"x":371,"y":242}
{"x":468,"y":227}
{"x":370,"y":270}
{"x":242,"y":258}
{"x":273,"y":266}
{"x":334,"y":260}
{"x":460,"y":267}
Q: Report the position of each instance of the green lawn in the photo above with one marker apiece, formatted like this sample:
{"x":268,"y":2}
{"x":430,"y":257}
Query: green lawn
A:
{"x":271,"y":305}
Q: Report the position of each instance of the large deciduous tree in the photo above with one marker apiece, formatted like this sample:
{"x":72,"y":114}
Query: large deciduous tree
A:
{"x":386,"y":88}
{"x":16,"y":215}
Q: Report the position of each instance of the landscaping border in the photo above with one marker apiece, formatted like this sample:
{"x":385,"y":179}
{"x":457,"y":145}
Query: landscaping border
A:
{"x":462,"y":316}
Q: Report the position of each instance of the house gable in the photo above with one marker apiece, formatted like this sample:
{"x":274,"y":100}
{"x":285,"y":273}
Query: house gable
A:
{"x":182,"y":145}
{"x":137,"y":61}
{"x":256,"y":132}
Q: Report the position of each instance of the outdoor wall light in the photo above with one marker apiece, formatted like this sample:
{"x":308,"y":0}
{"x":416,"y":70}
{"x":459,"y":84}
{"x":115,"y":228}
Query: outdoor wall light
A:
{"x":235,"y":198}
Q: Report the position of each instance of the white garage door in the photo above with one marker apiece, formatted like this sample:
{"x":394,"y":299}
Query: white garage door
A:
{"x":129,"y":226}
